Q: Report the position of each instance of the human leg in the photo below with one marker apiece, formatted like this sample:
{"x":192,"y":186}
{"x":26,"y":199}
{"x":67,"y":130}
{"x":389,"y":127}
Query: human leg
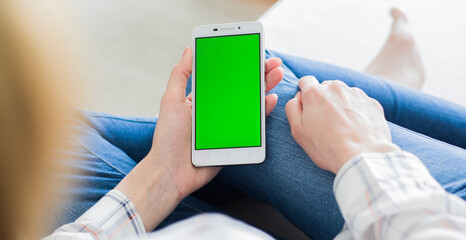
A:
{"x":133,"y":136}
{"x":94,"y":164}
{"x":279,"y":197}
{"x":403,"y":106}
{"x":399,"y":60}
{"x":290,"y":182}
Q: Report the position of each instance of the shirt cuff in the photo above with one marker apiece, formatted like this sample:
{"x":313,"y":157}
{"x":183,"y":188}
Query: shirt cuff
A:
{"x":371,"y":180}
{"x":115,"y":215}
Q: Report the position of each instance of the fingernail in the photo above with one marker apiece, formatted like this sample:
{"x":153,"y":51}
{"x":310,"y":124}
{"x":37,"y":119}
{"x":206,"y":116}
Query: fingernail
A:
{"x":309,"y":77}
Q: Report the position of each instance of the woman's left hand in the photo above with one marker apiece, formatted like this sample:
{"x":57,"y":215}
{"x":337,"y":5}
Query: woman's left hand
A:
{"x":170,"y":155}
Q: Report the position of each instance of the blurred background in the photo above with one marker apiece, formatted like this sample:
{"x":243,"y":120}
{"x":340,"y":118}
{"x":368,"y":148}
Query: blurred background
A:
{"x":128,"y":48}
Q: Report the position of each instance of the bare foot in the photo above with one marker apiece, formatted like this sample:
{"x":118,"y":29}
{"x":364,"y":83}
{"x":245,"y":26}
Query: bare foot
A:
{"x":399,"y":60}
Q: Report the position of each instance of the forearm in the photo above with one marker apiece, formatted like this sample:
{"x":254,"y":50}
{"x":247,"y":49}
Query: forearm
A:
{"x":112,"y":217}
{"x":394,"y":195}
{"x":151,"y":190}
{"x":137,"y":205}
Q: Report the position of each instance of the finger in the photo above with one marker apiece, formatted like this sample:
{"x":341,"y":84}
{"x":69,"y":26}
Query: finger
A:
{"x":358,"y":91}
{"x":326,"y":82}
{"x":338,"y":88}
{"x":190,"y":97}
{"x":272,"y":78}
{"x":299,"y":97}
{"x":294,"y":110}
{"x":206,"y":174}
{"x":270,"y":103}
{"x":307,"y":82}
{"x":179,"y":75}
{"x":272,"y":63}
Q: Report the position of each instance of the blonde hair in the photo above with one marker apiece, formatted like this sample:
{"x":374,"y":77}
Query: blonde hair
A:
{"x":33,"y":63}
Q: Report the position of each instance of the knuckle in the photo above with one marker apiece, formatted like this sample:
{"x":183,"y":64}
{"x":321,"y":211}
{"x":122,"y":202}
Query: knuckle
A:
{"x":311,"y":93}
{"x":358,"y":91}
{"x":377,"y":104}
{"x":335,"y":86}
{"x":175,"y":69}
{"x":326,"y":82}
{"x":338,"y":85}
{"x":335,"y":89}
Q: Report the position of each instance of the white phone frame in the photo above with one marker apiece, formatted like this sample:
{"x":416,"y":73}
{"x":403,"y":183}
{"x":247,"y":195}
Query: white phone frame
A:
{"x":229,"y":156}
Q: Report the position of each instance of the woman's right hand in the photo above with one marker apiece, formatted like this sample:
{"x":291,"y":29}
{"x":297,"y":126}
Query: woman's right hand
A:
{"x":334,"y":123}
{"x":166,"y":175}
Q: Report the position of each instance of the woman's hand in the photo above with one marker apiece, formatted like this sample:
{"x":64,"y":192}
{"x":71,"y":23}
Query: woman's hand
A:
{"x":172,"y":138}
{"x":167,"y":171}
{"x":333,"y":123}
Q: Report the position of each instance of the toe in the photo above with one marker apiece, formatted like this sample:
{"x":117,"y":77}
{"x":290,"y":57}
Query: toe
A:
{"x":398,"y":15}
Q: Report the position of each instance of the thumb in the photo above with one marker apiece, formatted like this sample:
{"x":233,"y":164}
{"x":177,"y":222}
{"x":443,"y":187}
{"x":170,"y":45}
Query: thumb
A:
{"x":294,"y":110}
{"x":179,"y":76}
{"x":307,"y":82}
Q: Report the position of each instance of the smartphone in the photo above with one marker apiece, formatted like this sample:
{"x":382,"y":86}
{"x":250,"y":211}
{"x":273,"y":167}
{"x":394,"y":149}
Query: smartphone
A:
{"x":228,"y":91}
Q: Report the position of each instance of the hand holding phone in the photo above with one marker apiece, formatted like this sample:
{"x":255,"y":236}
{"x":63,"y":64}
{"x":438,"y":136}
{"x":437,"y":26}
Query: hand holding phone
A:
{"x":167,"y":171}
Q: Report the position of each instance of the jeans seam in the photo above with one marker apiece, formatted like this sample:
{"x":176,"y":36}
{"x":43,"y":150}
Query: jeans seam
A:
{"x":193,"y":208}
{"x":283,"y":64}
{"x":395,"y":100}
{"x":95,"y":154}
{"x":117,"y":118}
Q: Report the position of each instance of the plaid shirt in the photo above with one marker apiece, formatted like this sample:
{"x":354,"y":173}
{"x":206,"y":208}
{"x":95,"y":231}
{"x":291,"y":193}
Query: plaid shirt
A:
{"x":381,"y":196}
{"x":112,"y":217}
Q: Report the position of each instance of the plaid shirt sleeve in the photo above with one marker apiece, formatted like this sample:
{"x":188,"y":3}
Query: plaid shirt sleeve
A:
{"x":393,"y":196}
{"x":112,"y":217}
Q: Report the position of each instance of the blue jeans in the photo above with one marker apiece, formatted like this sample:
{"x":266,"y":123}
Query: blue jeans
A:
{"x":107,"y":147}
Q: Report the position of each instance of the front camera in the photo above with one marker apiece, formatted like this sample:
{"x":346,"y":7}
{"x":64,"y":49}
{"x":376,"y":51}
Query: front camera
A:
{"x":215,"y":29}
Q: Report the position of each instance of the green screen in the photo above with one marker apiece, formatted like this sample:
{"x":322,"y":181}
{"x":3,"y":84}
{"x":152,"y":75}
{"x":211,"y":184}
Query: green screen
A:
{"x":228,"y":111}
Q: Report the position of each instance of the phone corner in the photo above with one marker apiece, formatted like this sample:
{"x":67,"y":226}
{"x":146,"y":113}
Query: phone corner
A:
{"x":196,"y":30}
{"x":260,"y":24}
{"x":262,"y":157}
{"x":195,"y":163}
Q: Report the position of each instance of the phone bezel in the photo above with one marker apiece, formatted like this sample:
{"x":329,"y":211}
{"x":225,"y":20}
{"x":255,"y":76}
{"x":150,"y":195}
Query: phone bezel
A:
{"x":229,"y":156}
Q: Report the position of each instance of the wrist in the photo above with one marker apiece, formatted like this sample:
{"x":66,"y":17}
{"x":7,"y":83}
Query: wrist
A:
{"x":159,"y":175}
{"x":151,"y":190}
{"x":354,"y":150}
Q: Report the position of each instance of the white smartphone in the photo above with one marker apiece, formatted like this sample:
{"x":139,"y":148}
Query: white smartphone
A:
{"x":228,"y":91}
